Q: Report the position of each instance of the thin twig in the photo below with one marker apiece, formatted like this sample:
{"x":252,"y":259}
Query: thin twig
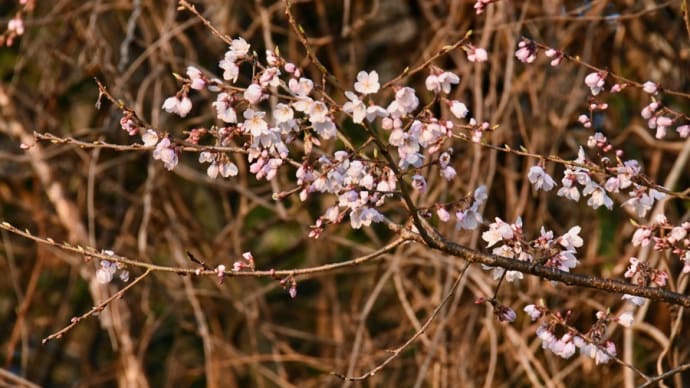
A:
{"x":416,"y":335}
{"x":93,"y":253}
{"x":95,"y":309}
{"x":664,"y":375}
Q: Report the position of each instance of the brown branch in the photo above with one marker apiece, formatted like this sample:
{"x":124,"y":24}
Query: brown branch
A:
{"x":664,"y":375}
{"x":93,"y":253}
{"x":610,"y":285}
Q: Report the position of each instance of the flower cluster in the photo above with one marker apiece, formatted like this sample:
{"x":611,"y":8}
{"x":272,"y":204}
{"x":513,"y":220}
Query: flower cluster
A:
{"x":622,"y":176}
{"x":108,"y":269}
{"x":659,"y":118}
{"x":661,"y":235}
{"x":556,"y":252}
{"x":563,"y":340}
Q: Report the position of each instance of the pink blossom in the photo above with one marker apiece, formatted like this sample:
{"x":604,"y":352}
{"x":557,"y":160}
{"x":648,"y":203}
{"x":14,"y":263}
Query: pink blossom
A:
{"x":367,"y":83}
{"x":355,"y":106}
{"x":318,"y":112}
{"x":149,"y":138}
{"x":254,"y":122}
{"x":498,"y":231}
{"x":540,"y":179}
{"x":533,"y":311}
{"x":643,"y":199}
{"x":642,"y":236}
{"x":231,"y":70}
{"x":270,"y":77}
{"x":556,"y":55}
{"x":595,"y":81}
{"x":468,"y":219}
{"x":442,"y":214}
{"x":197,"y":78}
{"x":650,"y":87}
{"x":480,"y":5}
{"x":649,"y":110}
{"x":458,"y":109}
{"x":683,"y":130}
{"x":448,"y":173}
{"x":571,"y":239}
{"x":301,"y":87}
{"x":598,"y":196}
{"x":374,"y":111}
{"x":585,"y":121}
{"x":165,"y":152}
{"x":601,"y":355}
{"x":224,"y":109}
{"x":526,"y":52}
{"x":405,"y":102}
{"x":441,"y":82}
{"x":364,"y":216}
{"x":105,"y":273}
{"x":504,"y":313}
{"x":253,"y":94}
{"x":179,"y":106}
{"x":678,"y":233}
{"x":617,"y":88}
{"x":476,"y":54}
{"x":16,"y":25}
{"x":325,"y":129}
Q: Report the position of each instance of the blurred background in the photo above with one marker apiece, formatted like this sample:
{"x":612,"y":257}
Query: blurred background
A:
{"x":172,"y":330}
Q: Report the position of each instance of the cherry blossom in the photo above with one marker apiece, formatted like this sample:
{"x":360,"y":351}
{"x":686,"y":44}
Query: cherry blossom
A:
{"x":253,"y":94}
{"x":533,"y":311}
{"x":180,"y":106}
{"x":441,"y":82}
{"x":595,"y":81}
{"x":498,"y":231}
{"x":601,"y":355}
{"x":197,"y":78}
{"x":458,"y":109}
{"x":649,"y":110}
{"x":231,"y":70}
{"x":355,"y":106}
{"x":683,"y":130}
{"x":643,"y":199}
{"x":165,"y":152}
{"x":650,"y":87}
{"x":476,"y":54}
{"x":149,"y":138}
{"x":367,"y":83}
{"x":556,"y":55}
{"x":364,"y":216}
{"x":224,"y":108}
{"x":526,"y":52}
{"x":301,"y":87}
{"x":443,"y":214}
{"x":239,"y":48}
{"x":597,"y":195}
{"x":406,"y":101}
{"x":540,"y":179}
